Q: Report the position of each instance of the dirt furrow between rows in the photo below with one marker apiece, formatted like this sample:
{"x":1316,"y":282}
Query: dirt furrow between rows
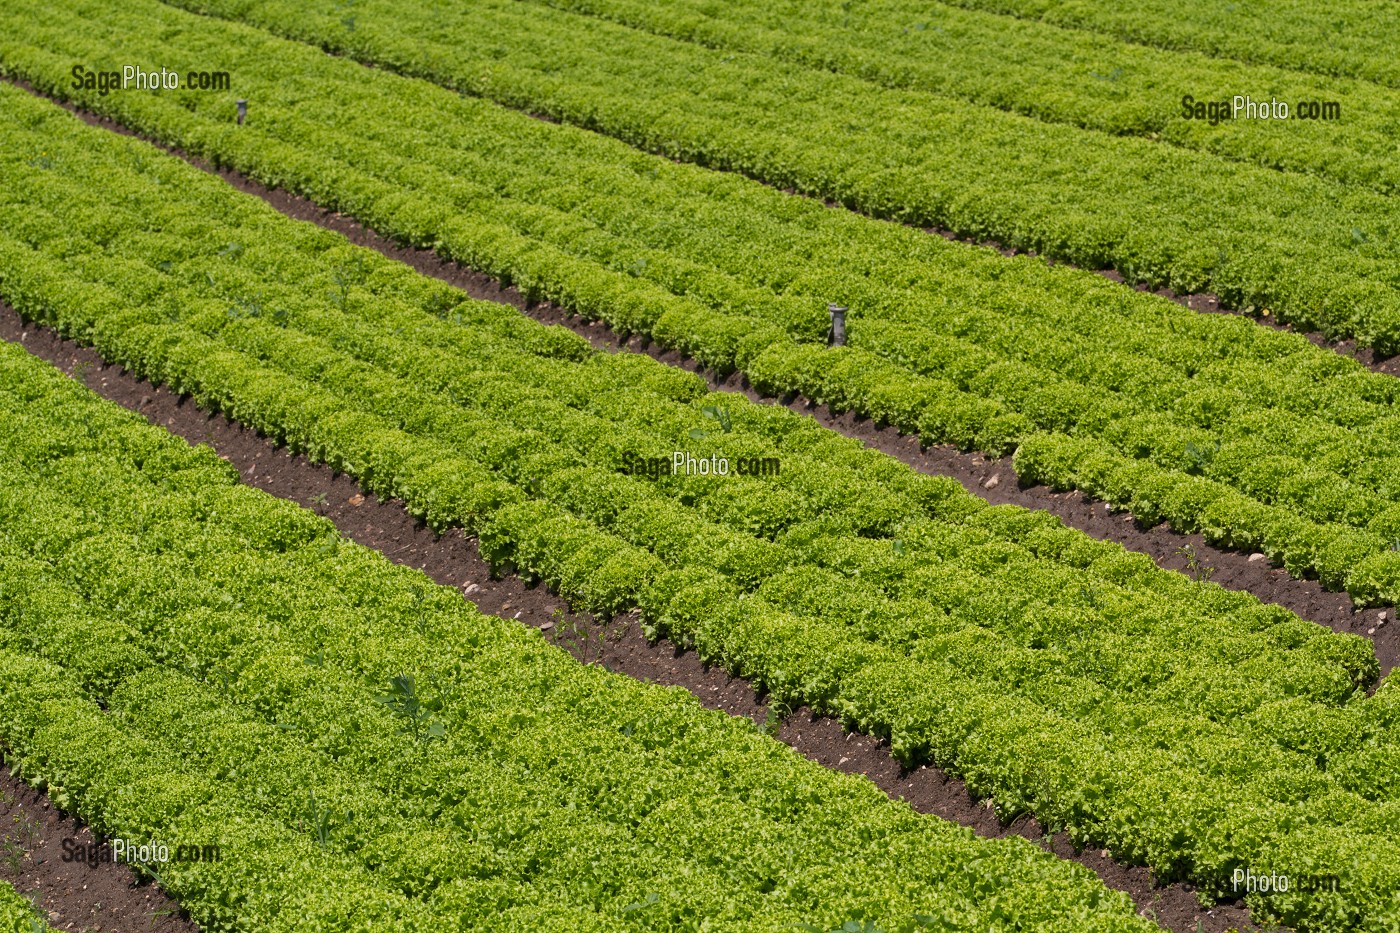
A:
{"x":1202,"y":302}
{"x":619,"y":644}
{"x":991,"y":478}
{"x":43,"y":853}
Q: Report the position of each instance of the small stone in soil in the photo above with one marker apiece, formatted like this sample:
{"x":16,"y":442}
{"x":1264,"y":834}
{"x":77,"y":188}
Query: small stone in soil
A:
{"x":1255,"y":558}
{"x":357,"y":499}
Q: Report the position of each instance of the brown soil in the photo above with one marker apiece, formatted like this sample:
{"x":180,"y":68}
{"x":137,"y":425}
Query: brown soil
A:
{"x":975,"y":471}
{"x":100,"y":897}
{"x":483,"y":286}
{"x":992,"y":479}
{"x":453,"y":560}
{"x":1205,"y":303}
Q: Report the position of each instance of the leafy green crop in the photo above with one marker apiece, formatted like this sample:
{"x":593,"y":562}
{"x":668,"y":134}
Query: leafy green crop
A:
{"x":1348,"y":38}
{"x":1059,"y":675}
{"x":1157,"y":213}
{"x":1024,"y":65}
{"x":532,"y":809}
{"x":1094,"y":387}
{"x":18,"y":914}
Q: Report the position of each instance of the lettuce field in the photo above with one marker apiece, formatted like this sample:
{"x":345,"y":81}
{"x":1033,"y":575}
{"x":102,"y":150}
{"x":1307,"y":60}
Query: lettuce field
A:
{"x":551,"y":465}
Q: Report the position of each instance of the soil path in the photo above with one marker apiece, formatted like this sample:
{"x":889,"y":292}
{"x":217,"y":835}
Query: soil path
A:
{"x":454,"y":560}
{"x":73,"y":895}
{"x":991,"y":478}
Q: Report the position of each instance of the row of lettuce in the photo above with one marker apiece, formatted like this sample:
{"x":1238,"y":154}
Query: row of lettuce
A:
{"x":1177,"y":723}
{"x":1256,"y":438}
{"x":1052,"y":73}
{"x":17,"y":912}
{"x":193,"y":662}
{"x":1352,"y":38}
{"x":1316,"y":252}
